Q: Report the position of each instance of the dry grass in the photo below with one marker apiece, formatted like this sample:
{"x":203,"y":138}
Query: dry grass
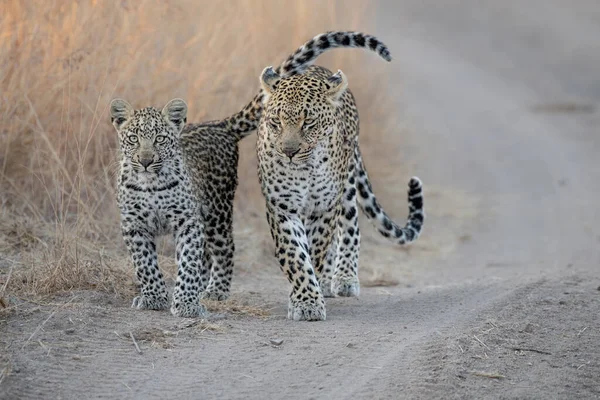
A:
{"x":62,"y":64}
{"x":236,"y":308}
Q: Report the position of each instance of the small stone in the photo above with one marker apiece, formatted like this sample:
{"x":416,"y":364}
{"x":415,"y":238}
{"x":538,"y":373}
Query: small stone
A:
{"x":562,"y":302}
{"x":70,"y":331}
{"x":351,"y":345}
{"x":529,"y":328}
{"x":598,"y":288}
{"x":276,"y":342}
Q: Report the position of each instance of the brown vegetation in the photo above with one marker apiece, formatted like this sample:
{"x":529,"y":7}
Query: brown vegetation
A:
{"x":62,"y":63}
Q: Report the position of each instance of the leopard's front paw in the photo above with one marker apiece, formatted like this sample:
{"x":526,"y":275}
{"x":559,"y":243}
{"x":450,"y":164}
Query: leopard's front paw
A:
{"x":145,"y":302}
{"x":326,"y":288}
{"x":214,"y":294}
{"x":346,"y":286}
{"x":188,"y":309}
{"x":302,"y":309}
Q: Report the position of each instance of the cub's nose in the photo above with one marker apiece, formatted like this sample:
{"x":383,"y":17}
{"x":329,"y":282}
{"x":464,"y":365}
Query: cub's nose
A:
{"x":146,"y":162}
{"x":290,"y":151}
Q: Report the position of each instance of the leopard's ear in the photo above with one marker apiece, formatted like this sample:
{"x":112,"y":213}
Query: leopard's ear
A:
{"x":175,"y":113}
{"x":269,"y":79}
{"x":338,"y":83}
{"x":120,"y":112}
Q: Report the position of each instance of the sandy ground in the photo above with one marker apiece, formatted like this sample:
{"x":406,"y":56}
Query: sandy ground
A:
{"x":500,"y":298}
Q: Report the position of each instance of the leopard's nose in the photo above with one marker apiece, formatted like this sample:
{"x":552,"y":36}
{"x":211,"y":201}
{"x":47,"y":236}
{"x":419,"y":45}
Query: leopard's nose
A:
{"x":146,"y":162}
{"x":290,"y":151}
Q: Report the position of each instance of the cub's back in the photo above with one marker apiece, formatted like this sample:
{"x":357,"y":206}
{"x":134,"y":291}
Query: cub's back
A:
{"x":211,"y":154}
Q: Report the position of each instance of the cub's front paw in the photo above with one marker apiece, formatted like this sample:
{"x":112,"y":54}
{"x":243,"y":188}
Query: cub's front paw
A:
{"x":144,"y":302}
{"x":188,"y":310}
{"x":214,"y":294}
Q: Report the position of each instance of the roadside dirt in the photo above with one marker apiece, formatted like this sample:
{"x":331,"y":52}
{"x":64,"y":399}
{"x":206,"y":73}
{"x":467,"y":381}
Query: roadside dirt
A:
{"x":499,"y":111}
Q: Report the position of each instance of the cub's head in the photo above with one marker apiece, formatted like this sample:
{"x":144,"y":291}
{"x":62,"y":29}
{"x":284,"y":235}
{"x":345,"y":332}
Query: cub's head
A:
{"x":148,"y":138}
{"x":300,"y":111}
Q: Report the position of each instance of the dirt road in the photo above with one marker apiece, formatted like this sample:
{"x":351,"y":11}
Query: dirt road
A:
{"x":500,"y":299}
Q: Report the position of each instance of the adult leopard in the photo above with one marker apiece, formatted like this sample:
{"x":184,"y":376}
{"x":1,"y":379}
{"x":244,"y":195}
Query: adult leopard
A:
{"x":182,"y":178}
{"x":311,"y":173}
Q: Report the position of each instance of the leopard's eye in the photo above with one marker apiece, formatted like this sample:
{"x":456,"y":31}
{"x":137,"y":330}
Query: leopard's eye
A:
{"x":160,"y":139}
{"x":133,"y":139}
{"x":309,"y":121}
{"x":274,"y":122}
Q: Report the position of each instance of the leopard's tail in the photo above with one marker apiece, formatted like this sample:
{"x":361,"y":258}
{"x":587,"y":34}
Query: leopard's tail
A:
{"x":384,"y":224}
{"x":245,"y":121}
{"x":306,"y":54}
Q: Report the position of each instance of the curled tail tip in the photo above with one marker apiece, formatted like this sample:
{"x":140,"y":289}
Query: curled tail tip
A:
{"x":415,"y":183}
{"x":415,"y":200}
{"x":385,"y":54}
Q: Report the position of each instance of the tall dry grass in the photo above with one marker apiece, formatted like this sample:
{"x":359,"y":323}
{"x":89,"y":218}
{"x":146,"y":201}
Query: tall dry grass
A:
{"x":61,"y":64}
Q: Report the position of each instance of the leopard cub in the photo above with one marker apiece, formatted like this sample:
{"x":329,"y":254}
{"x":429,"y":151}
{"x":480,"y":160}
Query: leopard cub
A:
{"x":180,"y":179}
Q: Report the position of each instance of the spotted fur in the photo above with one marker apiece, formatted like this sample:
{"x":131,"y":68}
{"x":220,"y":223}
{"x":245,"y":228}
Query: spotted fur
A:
{"x":182,"y":179}
{"x":311,"y":173}
{"x":245,"y":121}
{"x":176,"y":179}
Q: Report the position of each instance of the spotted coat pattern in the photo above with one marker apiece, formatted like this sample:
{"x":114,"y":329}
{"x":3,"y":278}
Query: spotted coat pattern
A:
{"x":312,"y":176}
{"x":181,"y":179}
{"x":248,"y":118}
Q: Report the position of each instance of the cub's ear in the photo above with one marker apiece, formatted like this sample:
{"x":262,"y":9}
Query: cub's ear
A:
{"x":120,"y":112}
{"x":338,"y":83}
{"x":269,"y":79}
{"x":175,"y":113}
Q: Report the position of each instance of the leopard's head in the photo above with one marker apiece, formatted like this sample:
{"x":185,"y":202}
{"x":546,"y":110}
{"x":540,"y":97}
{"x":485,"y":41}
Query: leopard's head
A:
{"x":148,"y":138}
{"x":300,"y":112}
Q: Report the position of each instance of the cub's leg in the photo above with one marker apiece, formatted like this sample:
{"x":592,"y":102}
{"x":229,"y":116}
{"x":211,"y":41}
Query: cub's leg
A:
{"x":142,"y":248}
{"x":190,"y":255}
{"x":322,"y":239}
{"x":306,"y":301}
{"x":345,"y":278}
{"x":220,"y":248}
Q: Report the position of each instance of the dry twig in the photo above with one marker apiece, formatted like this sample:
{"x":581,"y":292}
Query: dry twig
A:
{"x":135,"y":343}
{"x":46,"y":320}
{"x":483,"y":344}
{"x":491,"y":375}
{"x":532,"y":350}
{"x":581,"y":331}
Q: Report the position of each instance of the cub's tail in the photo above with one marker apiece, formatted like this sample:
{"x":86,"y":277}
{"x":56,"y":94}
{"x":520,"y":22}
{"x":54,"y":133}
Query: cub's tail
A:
{"x":384,"y":224}
{"x":245,"y":121}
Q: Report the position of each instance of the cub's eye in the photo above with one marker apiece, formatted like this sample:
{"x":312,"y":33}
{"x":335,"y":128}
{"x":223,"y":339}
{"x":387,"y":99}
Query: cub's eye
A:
{"x":132,"y":139}
{"x":274,"y":122}
{"x":160,"y":139}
